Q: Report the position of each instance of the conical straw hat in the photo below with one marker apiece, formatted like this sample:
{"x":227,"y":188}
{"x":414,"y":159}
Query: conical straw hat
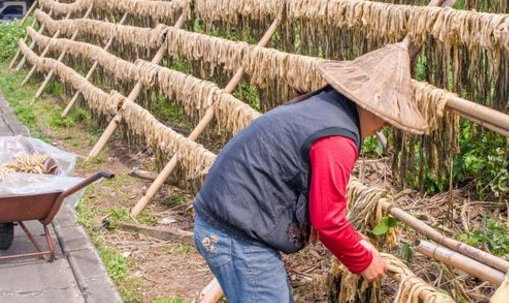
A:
{"x":380,"y":83}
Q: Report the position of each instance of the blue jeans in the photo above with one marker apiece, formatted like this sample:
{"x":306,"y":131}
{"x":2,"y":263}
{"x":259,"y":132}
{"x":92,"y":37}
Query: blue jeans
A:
{"x":247,"y":270}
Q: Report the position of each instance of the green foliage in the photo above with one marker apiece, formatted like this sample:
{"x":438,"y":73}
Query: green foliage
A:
{"x":371,"y":147}
{"x":10,"y":33}
{"x":385,"y":225}
{"x":406,"y":252}
{"x":174,"y":299}
{"x":248,"y":94}
{"x":484,"y":158}
{"x":493,"y":236}
{"x":56,"y":120}
{"x":116,"y":264}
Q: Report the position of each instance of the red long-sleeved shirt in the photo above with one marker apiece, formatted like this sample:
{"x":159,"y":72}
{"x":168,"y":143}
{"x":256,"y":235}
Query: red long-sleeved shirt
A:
{"x":332,"y":160}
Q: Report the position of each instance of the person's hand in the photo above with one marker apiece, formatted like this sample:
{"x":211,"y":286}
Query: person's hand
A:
{"x":377,"y":269}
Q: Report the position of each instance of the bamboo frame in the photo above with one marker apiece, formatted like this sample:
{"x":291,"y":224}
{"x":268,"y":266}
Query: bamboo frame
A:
{"x":91,"y":71}
{"x":61,"y":57}
{"x":112,"y":126}
{"x":204,"y":122}
{"x":429,"y":232}
{"x":461,"y":262}
{"x":32,"y":45}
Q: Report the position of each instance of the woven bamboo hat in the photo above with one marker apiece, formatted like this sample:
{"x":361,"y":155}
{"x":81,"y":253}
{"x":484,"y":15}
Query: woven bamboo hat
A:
{"x":380,"y":82}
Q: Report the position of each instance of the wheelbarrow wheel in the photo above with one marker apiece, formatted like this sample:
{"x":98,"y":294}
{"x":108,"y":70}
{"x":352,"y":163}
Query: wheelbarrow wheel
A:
{"x":6,"y":235}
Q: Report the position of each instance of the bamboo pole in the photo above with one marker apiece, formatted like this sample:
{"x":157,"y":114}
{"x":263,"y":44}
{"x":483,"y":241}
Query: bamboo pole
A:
{"x":429,"y":232}
{"x":204,"y":122}
{"x":32,"y":45}
{"x":30,"y":11}
{"x":461,"y":262}
{"x":60,"y":58}
{"x":112,"y":126}
{"x":91,"y":71}
{"x":485,"y":116}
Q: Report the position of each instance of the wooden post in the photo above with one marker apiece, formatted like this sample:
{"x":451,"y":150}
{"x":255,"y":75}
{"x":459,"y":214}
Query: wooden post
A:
{"x":204,"y":122}
{"x":30,"y":11}
{"x":110,"y":129}
{"x":91,"y":71}
{"x":32,"y":45}
{"x":60,"y":58}
{"x":461,"y":262}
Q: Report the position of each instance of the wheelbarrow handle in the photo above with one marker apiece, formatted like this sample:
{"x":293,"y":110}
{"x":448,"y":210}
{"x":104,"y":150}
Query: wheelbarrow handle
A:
{"x":87,"y":182}
{"x":72,"y":190}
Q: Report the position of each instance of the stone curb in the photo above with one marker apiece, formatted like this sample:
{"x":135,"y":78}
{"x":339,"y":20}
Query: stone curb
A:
{"x":86,"y":264}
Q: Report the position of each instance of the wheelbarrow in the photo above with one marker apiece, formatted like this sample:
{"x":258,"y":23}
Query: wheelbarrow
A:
{"x":42,"y":207}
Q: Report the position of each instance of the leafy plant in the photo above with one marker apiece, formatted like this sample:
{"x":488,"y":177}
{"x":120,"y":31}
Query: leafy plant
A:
{"x":385,"y":224}
{"x":56,"y":119}
{"x":493,"y":236}
{"x":10,"y":33}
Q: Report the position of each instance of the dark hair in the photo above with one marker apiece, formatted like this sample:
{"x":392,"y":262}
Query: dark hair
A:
{"x":301,"y":96}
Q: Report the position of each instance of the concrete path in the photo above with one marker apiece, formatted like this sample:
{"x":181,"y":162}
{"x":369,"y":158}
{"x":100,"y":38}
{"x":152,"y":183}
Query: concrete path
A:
{"x":76,"y":276}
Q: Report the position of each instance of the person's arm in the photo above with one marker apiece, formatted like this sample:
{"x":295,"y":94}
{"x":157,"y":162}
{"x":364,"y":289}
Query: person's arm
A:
{"x":332,"y":160}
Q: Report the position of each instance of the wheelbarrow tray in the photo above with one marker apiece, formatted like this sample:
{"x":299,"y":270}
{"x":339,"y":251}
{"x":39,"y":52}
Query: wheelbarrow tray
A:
{"x":27,"y":207}
{"x":42,"y":207}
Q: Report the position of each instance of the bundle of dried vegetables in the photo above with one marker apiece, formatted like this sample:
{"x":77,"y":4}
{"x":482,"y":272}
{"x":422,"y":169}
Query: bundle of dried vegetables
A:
{"x":196,"y":96}
{"x":232,"y":114}
{"x":158,"y":11}
{"x":205,"y":49}
{"x":126,"y":36}
{"x":119,"y":68}
{"x":238,"y":12}
{"x":98,"y":101}
{"x":65,"y":8}
{"x":28,"y":163}
{"x":280,"y":74}
{"x":411,"y":287}
{"x":441,"y":142}
{"x":193,"y":94}
{"x":194,"y":158}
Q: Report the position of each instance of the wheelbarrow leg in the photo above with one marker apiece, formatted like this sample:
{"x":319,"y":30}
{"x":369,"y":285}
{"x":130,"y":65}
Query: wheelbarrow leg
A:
{"x":51,"y":245}
{"x":30,"y":236}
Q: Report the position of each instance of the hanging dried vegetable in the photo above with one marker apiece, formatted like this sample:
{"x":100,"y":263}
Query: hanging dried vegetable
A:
{"x":65,"y":8}
{"x":158,"y":11}
{"x":196,"y":96}
{"x":119,"y":68}
{"x":98,"y":100}
{"x":204,"y":48}
{"x":193,"y":157}
{"x":411,"y":287}
{"x":128,"y":36}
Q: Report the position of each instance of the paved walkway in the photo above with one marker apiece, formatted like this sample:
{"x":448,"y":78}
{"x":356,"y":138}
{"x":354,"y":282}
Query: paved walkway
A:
{"x":76,"y":276}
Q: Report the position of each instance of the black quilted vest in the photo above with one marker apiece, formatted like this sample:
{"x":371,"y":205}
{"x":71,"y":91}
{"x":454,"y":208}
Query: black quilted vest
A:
{"x":258,"y":186}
